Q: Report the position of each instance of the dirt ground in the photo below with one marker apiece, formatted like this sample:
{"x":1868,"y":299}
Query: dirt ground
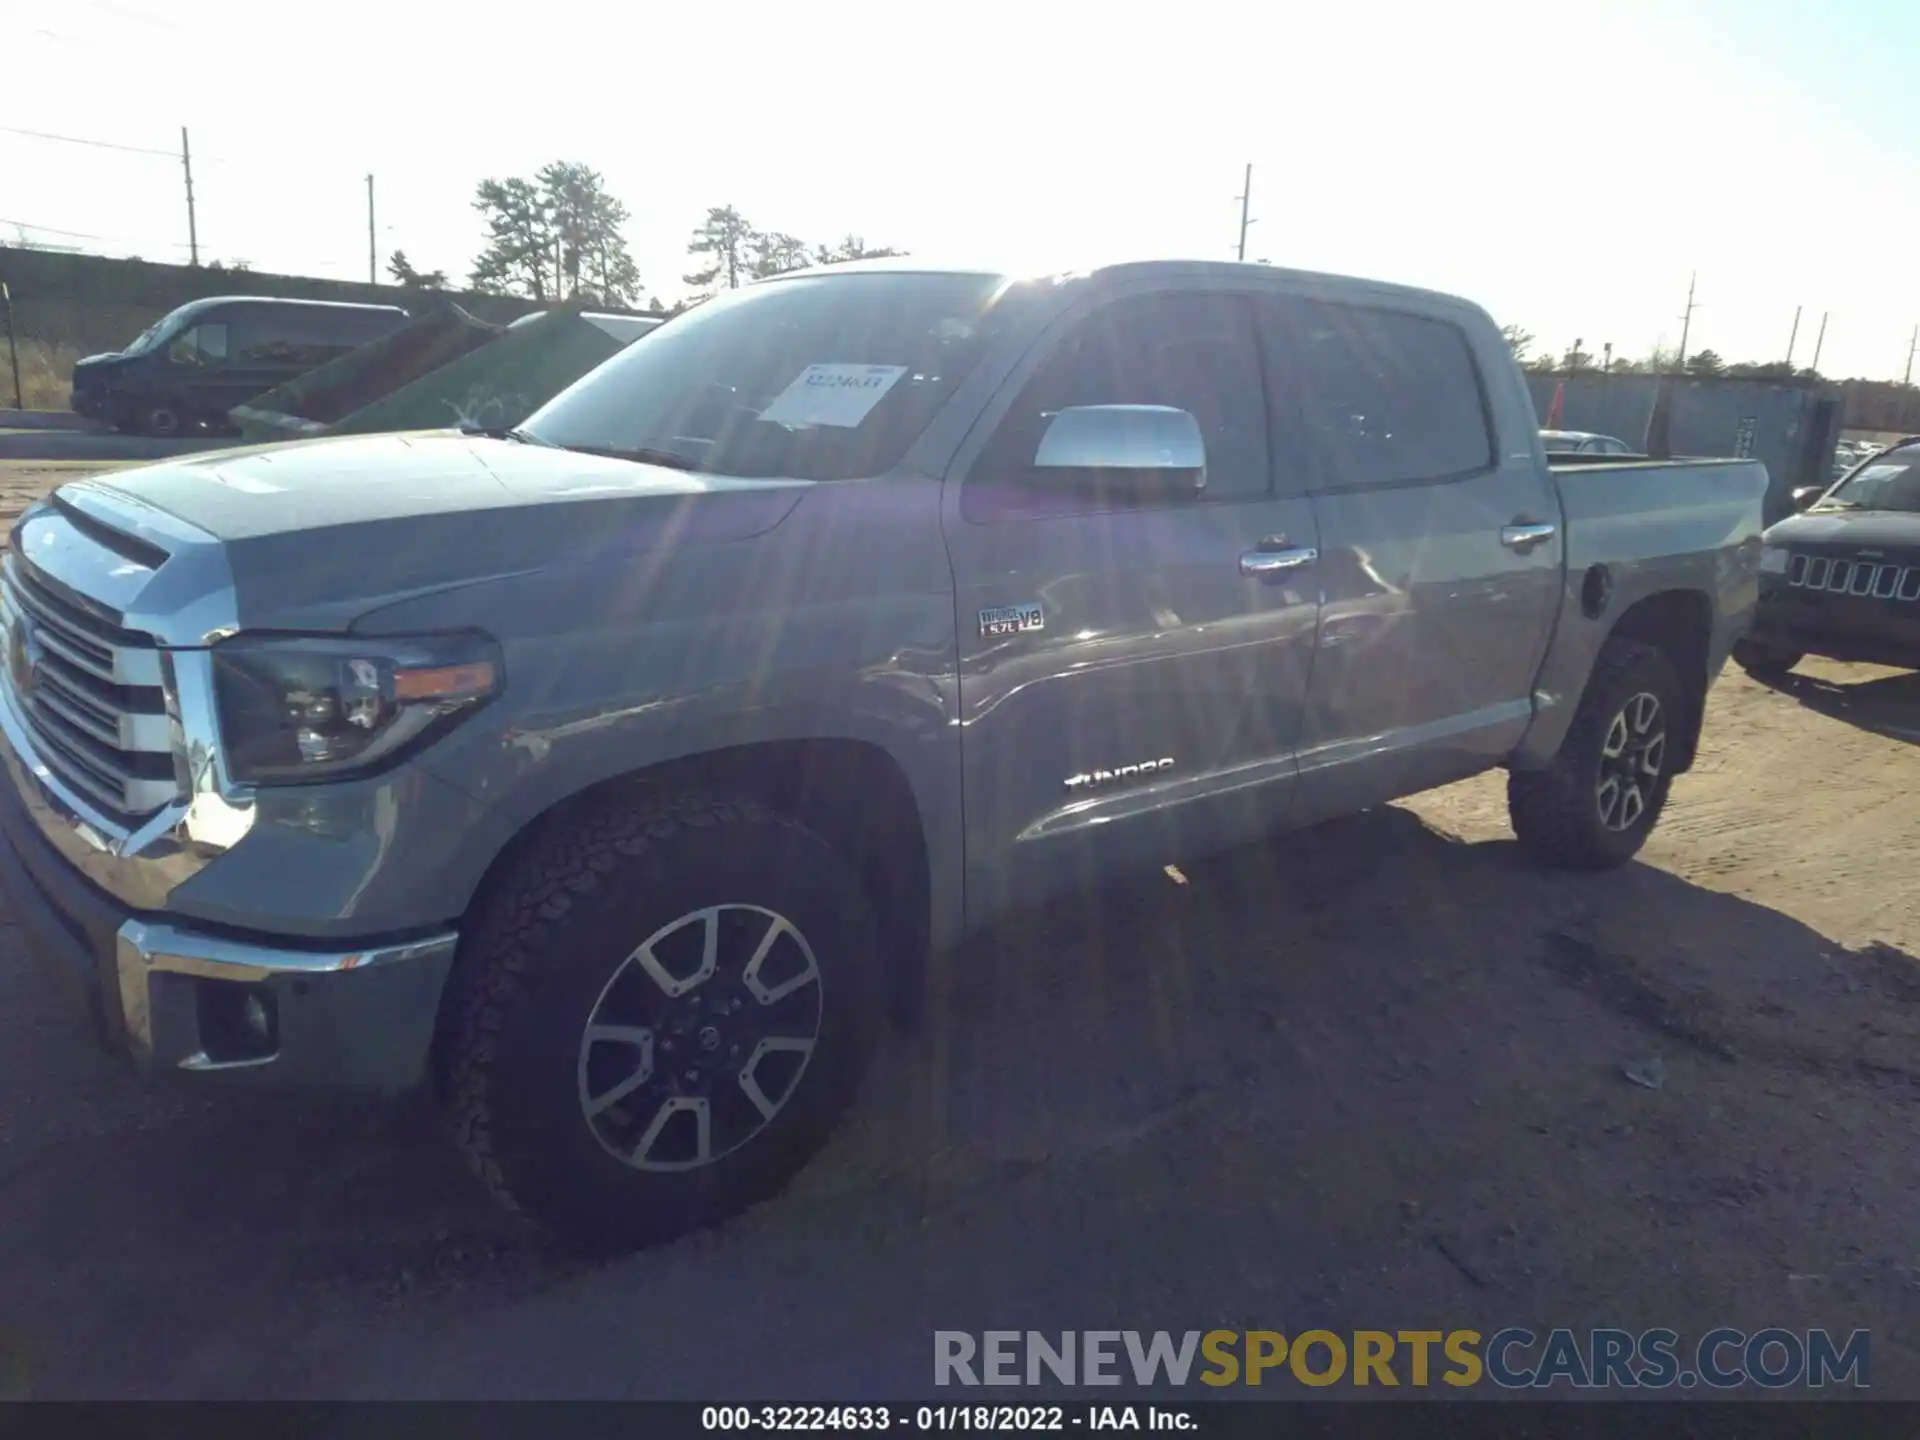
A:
{"x":1373,"y":1076}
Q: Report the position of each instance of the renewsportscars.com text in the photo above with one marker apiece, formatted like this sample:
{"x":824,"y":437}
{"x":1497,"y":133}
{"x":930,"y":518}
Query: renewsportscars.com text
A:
{"x":1513,"y":1358}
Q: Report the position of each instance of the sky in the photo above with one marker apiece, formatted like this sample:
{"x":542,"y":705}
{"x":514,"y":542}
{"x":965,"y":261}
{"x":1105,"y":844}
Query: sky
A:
{"x":1566,"y":165}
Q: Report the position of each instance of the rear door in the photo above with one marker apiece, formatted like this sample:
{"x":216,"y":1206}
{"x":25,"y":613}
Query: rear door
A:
{"x":1146,"y":699}
{"x":1435,"y":609}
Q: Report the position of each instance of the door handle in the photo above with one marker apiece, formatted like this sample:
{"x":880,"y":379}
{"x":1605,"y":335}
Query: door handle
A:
{"x":1523,"y":537}
{"x":1263,"y":563}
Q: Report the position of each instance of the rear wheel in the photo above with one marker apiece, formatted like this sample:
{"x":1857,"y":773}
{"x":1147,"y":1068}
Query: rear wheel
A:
{"x":659,"y":1017}
{"x":1595,"y":805}
{"x":1763,"y":662}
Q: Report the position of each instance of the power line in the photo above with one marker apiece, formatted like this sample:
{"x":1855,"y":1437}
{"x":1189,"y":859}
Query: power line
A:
{"x":95,"y":144}
{"x":199,"y":158}
{"x":86,"y":234}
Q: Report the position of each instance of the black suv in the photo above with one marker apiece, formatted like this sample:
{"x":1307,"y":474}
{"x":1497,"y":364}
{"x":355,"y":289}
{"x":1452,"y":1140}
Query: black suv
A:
{"x":210,"y":355}
{"x":1842,"y":578}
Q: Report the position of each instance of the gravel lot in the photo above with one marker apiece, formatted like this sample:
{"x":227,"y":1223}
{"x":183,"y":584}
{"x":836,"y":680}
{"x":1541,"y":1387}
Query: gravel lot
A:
{"x":1370,"y":1076}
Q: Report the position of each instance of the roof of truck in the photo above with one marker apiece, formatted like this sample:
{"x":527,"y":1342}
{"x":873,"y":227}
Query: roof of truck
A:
{"x":1197,"y":269}
{"x":208,"y":302}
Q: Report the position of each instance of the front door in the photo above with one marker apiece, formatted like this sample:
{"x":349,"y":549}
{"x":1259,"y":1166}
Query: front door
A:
{"x":1131,"y":683}
{"x":1432,"y":627}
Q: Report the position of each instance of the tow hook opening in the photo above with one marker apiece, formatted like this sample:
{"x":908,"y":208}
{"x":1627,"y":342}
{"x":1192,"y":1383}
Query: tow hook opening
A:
{"x":238,"y":1022}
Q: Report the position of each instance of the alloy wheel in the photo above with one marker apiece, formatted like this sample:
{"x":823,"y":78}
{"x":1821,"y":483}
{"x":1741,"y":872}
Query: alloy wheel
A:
{"x":700,"y":1037}
{"x":1631,"y":760}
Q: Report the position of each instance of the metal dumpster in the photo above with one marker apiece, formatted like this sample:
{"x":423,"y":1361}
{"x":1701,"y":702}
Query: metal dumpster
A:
{"x":1791,"y":425}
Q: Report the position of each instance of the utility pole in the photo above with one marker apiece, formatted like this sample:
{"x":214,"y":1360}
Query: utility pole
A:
{"x":1686,"y":319}
{"x":13,"y":347}
{"x":1818,"y":341}
{"x":373,"y":247}
{"x":1792,"y":336}
{"x":193,"y":231}
{"x":1607,"y":349}
{"x":1245,"y":195}
{"x":1911,"y":344}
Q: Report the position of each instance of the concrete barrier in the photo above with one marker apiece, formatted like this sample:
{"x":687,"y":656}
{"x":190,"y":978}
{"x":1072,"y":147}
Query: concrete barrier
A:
{"x":43,"y":420}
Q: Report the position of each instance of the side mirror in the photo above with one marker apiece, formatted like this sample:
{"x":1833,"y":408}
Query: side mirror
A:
{"x":1806,"y":495}
{"x":1144,"y":448}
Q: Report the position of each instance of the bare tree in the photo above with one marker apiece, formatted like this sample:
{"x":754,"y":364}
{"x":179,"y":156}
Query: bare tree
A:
{"x":775,"y":253}
{"x":403,"y":273}
{"x":1519,"y":340}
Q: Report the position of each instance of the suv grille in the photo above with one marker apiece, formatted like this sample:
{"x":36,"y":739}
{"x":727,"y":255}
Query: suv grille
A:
{"x":91,"y":692}
{"x":1880,"y":580}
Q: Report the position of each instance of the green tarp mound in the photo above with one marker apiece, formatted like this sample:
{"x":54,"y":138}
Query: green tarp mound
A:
{"x":314,"y":403}
{"x":501,"y":383}
{"x":443,"y":370}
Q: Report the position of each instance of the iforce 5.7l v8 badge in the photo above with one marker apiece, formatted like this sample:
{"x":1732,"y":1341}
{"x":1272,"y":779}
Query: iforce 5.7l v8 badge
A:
{"x":1011,"y":619}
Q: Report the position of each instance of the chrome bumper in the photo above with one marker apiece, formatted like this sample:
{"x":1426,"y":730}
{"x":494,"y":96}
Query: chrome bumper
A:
{"x":354,"y":1019}
{"x":338,"y":1017}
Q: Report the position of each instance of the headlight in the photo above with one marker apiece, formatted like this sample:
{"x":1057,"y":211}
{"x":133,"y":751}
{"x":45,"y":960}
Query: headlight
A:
{"x":295,"y":710}
{"x":1773,"y":560}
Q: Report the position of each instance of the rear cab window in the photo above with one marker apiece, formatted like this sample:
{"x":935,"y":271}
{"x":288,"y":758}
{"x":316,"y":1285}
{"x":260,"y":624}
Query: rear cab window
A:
{"x":1383,"y":396}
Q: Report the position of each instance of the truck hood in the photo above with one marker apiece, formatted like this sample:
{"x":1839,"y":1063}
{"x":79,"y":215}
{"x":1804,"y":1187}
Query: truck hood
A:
{"x":317,"y":532}
{"x":1849,"y":530}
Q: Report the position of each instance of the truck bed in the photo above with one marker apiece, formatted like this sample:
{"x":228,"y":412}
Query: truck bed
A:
{"x":1637,"y":528}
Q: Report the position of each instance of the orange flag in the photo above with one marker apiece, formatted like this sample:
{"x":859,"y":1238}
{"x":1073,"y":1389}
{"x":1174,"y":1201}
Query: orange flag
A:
{"x":1559,"y":404}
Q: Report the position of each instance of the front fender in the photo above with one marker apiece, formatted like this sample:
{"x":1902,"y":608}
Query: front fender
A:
{"x":836,"y":625}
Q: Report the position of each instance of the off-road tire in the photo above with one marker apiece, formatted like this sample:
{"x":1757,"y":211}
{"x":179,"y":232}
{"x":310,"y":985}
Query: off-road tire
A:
{"x":1763,"y":663}
{"x":532,"y":968}
{"x":1555,"y":812}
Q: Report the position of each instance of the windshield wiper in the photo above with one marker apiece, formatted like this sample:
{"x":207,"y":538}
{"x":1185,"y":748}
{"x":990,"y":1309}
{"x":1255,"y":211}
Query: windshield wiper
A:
{"x":503,"y":432}
{"x":638,"y":454}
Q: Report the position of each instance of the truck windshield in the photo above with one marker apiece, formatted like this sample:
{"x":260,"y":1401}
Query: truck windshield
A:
{"x":144,"y":340}
{"x":1890,"y":483}
{"x":828,"y":377}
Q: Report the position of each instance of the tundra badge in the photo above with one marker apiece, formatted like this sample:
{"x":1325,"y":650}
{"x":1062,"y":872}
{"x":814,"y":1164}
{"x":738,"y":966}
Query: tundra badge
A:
{"x":1012,"y":619}
{"x":1123,"y":772}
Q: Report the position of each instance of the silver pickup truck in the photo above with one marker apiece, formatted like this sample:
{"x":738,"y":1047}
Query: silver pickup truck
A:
{"x":619,"y":775}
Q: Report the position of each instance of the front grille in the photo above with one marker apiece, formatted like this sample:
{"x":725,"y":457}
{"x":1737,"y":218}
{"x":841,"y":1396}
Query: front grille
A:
{"x":92,"y":694}
{"x":1876,"y":579}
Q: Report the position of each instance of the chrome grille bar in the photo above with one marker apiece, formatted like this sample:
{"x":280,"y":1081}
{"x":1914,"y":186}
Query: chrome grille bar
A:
{"x":91,"y":694}
{"x":1890,"y":580}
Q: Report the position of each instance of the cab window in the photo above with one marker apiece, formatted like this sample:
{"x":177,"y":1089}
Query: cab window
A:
{"x":1192,"y":351}
{"x":204,"y":344}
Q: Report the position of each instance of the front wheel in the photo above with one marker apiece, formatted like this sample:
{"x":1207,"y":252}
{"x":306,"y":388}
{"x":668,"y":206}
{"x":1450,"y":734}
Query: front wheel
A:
{"x":160,"y":420}
{"x":659,"y":1017}
{"x":1593,"y":807}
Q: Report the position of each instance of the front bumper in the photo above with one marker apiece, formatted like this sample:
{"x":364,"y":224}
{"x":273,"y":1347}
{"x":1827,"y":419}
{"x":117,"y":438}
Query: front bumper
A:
{"x":180,"y":999}
{"x":1857,"y":630}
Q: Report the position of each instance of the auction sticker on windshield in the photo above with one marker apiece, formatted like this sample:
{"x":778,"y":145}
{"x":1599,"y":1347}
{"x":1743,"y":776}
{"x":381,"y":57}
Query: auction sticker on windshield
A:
{"x":840,"y":395}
